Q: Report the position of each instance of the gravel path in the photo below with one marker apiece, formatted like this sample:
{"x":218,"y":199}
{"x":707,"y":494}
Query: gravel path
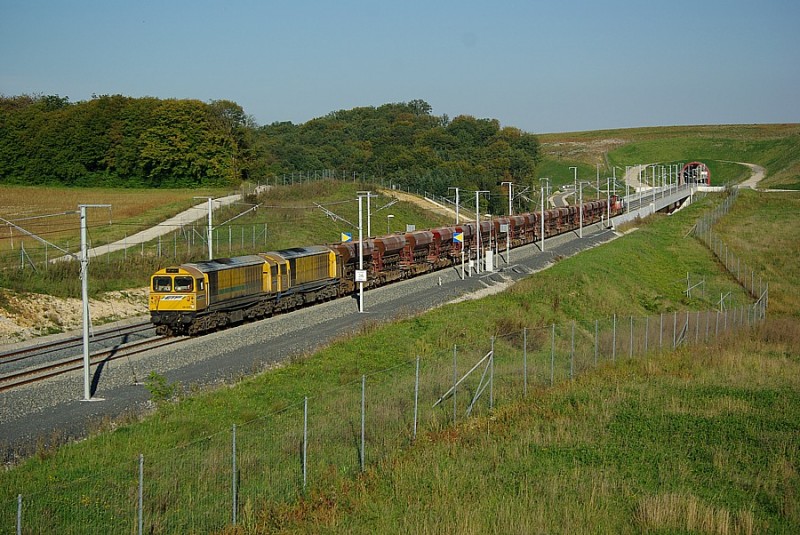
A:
{"x":184,"y":218}
{"x":757,"y":174}
{"x":52,"y":411}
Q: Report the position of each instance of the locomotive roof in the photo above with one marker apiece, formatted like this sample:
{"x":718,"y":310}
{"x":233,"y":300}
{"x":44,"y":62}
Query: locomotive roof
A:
{"x":219,"y":264}
{"x":298,"y":252}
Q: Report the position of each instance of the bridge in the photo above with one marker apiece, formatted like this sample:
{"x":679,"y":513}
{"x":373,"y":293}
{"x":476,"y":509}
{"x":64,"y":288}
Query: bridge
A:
{"x":649,"y":200}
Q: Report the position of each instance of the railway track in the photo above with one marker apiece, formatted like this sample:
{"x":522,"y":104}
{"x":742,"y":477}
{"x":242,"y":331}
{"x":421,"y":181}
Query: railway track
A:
{"x":50,"y":369}
{"x":49,"y":348}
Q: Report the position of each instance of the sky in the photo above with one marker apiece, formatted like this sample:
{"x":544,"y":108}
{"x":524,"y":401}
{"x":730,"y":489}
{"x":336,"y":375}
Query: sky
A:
{"x":555,"y":66}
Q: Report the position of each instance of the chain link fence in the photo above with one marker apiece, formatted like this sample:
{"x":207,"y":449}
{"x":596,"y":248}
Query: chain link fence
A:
{"x":227,"y":478}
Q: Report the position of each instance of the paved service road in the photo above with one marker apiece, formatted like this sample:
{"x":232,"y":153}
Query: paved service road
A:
{"x":186,"y":217}
{"x":53,"y":408}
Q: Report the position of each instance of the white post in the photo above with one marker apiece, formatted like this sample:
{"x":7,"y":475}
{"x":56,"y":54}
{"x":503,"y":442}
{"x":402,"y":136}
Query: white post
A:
{"x":457,"y":206}
{"x":575,"y":186}
{"x":478,"y":234}
{"x":580,"y":209}
{"x":510,"y":184}
{"x":210,"y":230}
{"x":541,"y":219}
{"x":369,"y":217}
{"x":542,"y":213}
{"x":87,"y":395}
{"x":360,"y":253}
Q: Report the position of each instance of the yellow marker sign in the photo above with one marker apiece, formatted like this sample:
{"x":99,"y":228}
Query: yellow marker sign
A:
{"x":347,"y":236}
{"x":459,"y":237}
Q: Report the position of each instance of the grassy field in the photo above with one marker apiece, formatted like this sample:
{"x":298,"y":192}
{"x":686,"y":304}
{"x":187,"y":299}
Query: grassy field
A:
{"x":286,"y":218}
{"x":697,"y":441}
{"x":774,"y":147}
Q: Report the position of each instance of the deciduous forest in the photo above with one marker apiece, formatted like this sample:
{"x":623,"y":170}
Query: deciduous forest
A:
{"x":119,"y":141}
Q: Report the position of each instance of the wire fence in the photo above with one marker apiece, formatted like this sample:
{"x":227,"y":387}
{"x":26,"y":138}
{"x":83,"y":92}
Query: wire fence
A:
{"x":230,"y":477}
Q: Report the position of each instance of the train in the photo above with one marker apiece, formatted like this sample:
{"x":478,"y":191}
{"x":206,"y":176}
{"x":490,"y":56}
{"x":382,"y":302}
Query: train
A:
{"x":200,"y":297}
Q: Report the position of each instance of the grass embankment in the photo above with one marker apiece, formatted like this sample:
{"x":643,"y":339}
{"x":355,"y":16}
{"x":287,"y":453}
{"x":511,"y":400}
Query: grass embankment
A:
{"x":701,"y":440}
{"x":287,"y":218}
{"x":773,"y":146}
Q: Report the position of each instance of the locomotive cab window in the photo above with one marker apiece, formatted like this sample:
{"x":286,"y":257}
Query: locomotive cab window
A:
{"x":162,"y":284}
{"x":183,"y":284}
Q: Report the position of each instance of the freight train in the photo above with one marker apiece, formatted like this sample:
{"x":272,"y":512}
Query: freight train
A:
{"x":200,"y":297}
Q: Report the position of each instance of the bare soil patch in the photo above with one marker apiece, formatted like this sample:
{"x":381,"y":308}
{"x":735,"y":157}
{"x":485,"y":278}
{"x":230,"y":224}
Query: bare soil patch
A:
{"x":25,"y":316}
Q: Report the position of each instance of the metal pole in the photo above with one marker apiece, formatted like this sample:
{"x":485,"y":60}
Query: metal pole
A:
{"x":19,"y":514}
{"x":491,"y":378}
{"x":541,"y":217}
{"x":697,"y":327}
{"x":580,"y":211}
{"x":233,"y":484}
{"x":305,"y":442}
{"x":572,"y":354}
{"x":87,"y":395}
{"x":416,"y":398}
{"x":478,"y":237}
{"x":141,"y":494}
{"x":553,"y":355}
{"x":210,"y":230}
{"x":595,"y":342}
{"x":363,"y":419}
{"x":455,"y":382}
{"x":369,"y":216}
{"x":525,"y":362}
{"x":614,"y":341}
{"x":360,"y":253}
{"x":630,"y":350}
{"x":675,"y":330}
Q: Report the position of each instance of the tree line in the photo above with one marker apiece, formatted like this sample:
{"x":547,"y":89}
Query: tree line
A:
{"x":114,"y":140}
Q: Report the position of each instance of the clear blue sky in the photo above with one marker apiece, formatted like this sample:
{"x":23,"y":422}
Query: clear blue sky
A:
{"x":551,"y":66}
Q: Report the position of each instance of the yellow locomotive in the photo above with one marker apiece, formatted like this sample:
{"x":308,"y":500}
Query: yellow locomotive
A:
{"x":203,"y":296}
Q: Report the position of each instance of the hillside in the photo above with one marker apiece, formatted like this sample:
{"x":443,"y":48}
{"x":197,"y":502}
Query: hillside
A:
{"x":702,"y":439}
{"x":774,"y":147}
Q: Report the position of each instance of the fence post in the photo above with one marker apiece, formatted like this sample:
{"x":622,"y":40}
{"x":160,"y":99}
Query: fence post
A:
{"x":233,"y":479}
{"x":416,"y":398}
{"x":675,"y":329}
{"x":141,"y":494}
{"x":630,"y":350}
{"x":614,"y":341}
{"x":572,"y":354}
{"x":455,"y":382}
{"x":363,"y":419}
{"x":305,"y":441}
{"x":553,"y":355}
{"x":491,"y":378}
{"x":716,"y":327}
{"x":19,"y":514}
{"x":525,"y":362}
{"x":697,"y":327}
